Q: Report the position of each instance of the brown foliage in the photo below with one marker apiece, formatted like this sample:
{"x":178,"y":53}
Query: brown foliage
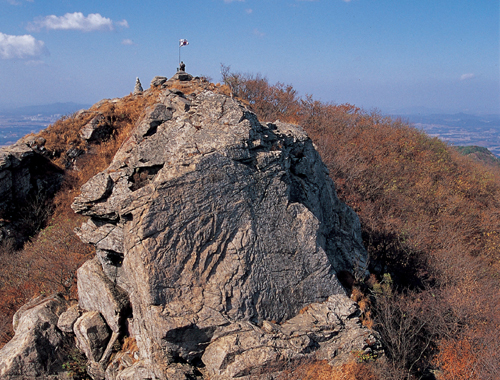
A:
{"x":48,"y":262}
{"x":430,"y":218}
{"x":268,"y":102}
{"x":130,"y":345}
{"x":455,"y":358}
{"x":321,"y":370}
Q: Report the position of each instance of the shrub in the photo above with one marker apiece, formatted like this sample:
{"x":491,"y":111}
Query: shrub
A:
{"x":76,"y":365}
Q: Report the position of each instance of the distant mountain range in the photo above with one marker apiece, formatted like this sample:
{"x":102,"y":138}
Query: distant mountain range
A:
{"x":460,"y":128}
{"x":46,"y":109}
{"x":457,"y":129}
{"x":455,"y":120}
{"x":18,"y":122}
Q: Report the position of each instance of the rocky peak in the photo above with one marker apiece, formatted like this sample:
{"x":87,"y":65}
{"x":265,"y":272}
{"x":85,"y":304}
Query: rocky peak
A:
{"x":218,"y":243}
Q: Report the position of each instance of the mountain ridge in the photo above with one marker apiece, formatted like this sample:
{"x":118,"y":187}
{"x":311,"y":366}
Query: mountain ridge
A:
{"x":427,"y":217}
{"x":57,"y":108}
{"x":197,"y":223}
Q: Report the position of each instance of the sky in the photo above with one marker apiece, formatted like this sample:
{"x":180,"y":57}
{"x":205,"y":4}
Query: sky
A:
{"x":389,"y":55}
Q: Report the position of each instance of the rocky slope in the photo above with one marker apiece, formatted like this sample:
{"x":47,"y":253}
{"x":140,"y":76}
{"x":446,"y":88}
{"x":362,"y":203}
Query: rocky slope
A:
{"x":219,"y":240}
{"x":27,"y":180}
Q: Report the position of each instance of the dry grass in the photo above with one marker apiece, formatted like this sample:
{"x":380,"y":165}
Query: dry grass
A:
{"x":321,"y":370}
{"x":365,"y":304}
{"x":119,"y":117}
{"x":130,"y":345}
{"x":48,"y":262}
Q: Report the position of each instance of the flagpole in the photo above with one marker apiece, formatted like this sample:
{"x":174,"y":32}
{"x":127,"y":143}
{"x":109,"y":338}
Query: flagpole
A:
{"x":182,"y":42}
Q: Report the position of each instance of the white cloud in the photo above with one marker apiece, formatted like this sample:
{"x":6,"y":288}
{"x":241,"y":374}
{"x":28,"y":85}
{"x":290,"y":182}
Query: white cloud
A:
{"x":249,"y":11}
{"x":75,"y":21}
{"x":20,"y":47}
{"x":231,"y":1}
{"x":122,"y":23}
{"x":127,"y":41}
{"x":258,"y":33}
{"x":467,"y":76}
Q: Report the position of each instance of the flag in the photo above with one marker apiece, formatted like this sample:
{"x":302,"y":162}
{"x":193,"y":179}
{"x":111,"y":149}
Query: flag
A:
{"x":183,"y":42}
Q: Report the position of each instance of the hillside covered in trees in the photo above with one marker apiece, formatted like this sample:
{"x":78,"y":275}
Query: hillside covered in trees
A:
{"x":479,"y":153}
{"x":430,"y":220}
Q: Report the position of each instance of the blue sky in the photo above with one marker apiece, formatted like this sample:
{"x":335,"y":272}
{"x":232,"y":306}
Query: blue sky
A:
{"x":385,"y":54}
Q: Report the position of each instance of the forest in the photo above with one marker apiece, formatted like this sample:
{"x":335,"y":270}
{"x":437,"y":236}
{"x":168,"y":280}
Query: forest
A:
{"x":430,"y":221}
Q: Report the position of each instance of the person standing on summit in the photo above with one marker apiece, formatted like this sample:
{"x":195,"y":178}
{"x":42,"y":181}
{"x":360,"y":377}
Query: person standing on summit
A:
{"x":182,"y":66}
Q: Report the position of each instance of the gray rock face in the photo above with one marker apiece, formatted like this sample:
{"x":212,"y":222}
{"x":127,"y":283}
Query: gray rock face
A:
{"x":92,"y":335}
{"x":26,"y":177}
{"x":15,"y":180}
{"x":208,"y":218}
{"x":38,"y":347}
{"x":158,"y":81}
{"x":96,"y":129}
{"x":329,"y":331}
{"x":98,"y":293}
{"x":68,"y":318}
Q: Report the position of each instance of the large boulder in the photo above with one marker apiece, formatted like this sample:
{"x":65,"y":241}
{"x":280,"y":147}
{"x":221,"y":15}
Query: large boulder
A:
{"x":96,"y":129}
{"x":92,"y":335}
{"x":38,"y":348}
{"x":15,"y":180}
{"x":98,"y":293}
{"x":208,"y":218}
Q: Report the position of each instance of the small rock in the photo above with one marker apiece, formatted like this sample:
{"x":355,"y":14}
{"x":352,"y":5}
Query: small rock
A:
{"x":96,"y":129}
{"x":158,"y":81}
{"x":182,"y":76}
{"x":138,"y":370}
{"x":68,"y":318}
{"x":74,"y":152}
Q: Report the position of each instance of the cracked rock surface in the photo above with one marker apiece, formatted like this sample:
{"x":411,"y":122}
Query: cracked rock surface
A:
{"x":38,"y":346}
{"x":208,"y":222}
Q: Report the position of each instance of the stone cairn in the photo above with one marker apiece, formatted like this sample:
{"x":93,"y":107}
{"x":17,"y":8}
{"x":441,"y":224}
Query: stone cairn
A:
{"x":138,"y":87}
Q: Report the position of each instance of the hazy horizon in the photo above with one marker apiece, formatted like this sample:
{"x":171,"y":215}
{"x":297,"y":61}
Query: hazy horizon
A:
{"x":63,"y":108}
{"x":456,"y":129}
